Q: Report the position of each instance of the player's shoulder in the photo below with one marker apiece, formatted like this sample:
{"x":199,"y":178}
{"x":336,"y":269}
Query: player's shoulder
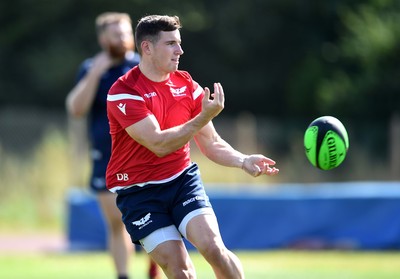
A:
{"x":85,"y":65}
{"x":126,"y":82}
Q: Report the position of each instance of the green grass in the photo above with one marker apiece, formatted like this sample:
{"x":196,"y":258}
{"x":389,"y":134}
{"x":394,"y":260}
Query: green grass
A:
{"x":258,"y":265}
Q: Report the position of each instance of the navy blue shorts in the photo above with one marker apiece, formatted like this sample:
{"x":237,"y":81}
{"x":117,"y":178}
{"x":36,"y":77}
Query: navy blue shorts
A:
{"x":154,"y":206}
{"x":99,"y":168}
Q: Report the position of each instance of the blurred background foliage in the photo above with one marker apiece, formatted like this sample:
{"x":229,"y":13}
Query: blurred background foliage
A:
{"x":275,"y":58}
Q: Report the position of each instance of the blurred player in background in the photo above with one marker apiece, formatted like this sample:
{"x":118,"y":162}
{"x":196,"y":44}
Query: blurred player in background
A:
{"x":154,"y":111}
{"x":88,"y":97}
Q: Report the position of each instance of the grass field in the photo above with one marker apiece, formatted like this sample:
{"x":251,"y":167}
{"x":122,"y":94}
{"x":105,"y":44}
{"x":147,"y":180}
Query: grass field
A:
{"x":258,"y":265}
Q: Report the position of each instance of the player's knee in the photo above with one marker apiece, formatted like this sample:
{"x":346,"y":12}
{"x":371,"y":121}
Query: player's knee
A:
{"x":177,"y":270}
{"x":212,"y":249}
{"x":182,"y":272}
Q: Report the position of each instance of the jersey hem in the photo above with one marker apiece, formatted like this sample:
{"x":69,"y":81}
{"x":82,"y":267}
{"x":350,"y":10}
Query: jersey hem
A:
{"x":142,"y":184}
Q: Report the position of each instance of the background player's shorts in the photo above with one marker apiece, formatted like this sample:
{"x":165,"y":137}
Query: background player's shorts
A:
{"x":99,"y":168}
{"x":154,"y":206}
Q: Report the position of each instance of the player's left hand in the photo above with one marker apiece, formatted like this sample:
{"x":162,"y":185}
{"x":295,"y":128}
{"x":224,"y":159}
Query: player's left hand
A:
{"x":258,"y":164}
{"x":213,"y":103}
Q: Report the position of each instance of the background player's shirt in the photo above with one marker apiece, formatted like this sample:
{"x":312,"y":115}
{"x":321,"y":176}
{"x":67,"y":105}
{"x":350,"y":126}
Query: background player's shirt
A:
{"x":98,"y":127}
{"x":98,"y":121}
{"x":134,"y":97}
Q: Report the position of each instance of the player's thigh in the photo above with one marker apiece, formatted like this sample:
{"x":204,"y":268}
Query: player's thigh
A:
{"x":203,"y":231}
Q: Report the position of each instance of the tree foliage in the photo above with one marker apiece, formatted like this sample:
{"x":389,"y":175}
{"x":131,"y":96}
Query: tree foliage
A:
{"x":275,"y":58}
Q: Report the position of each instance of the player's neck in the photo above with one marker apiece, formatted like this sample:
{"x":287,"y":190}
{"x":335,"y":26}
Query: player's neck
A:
{"x":152,"y":73}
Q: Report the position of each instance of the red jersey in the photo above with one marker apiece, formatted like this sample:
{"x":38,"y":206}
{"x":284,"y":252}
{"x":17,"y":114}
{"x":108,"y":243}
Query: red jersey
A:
{"x":132,"y":98}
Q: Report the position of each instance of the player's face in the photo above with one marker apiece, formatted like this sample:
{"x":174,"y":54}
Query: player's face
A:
{"x":167,"y":51}
{"x":118,"y":39}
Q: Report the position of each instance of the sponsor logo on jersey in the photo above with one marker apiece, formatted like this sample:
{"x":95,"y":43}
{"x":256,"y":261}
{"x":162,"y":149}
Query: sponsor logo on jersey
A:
{"x":143,"y":222}
{"x":150,"y":95}
{"x":121,"y":107}
{"x":178,"y":92}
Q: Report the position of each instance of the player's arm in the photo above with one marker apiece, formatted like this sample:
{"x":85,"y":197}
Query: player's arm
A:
{"x":219,"y":151}
{"x":148,"y":133}
{"x":80,"y":98}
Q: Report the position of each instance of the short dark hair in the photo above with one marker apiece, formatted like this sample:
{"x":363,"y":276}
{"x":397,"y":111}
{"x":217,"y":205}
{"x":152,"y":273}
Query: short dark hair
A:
{"x":149,"y":28}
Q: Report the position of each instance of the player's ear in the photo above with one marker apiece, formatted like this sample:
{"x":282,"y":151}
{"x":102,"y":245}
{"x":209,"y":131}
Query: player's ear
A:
{"x":146,"y":47}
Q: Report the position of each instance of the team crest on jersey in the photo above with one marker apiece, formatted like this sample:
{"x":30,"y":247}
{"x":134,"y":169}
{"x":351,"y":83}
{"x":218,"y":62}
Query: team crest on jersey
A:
{"x":178,"y":92}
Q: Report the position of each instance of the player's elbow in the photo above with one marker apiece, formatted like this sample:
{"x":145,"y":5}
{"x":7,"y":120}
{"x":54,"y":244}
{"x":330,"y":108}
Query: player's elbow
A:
{"x":161,"y":152}
{"x":76,"y":113}
{"x":157,"y":143}
{"x":74,"y":110}
{"x":161,"y":149}
{"x":210,"y":155}
{"x":161,"y":155}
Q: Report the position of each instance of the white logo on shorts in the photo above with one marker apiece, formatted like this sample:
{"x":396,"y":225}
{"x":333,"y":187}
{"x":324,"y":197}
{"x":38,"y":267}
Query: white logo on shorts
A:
{"x":142,"y":222}
{"x":196,"y":198}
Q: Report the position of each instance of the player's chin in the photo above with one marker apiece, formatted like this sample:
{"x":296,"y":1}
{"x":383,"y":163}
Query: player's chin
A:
{"x":173,"y":68}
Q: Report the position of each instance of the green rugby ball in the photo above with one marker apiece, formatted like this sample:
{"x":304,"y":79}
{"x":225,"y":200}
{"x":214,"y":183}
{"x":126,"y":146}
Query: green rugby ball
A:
{"x":326,"y":142}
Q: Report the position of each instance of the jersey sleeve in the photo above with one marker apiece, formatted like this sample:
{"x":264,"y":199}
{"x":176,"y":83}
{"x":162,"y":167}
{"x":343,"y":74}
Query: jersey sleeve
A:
{"x":127,"y":109}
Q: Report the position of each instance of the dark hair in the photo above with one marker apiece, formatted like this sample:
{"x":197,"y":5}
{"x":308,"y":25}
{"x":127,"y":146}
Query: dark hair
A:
{"x":149,"y":28}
